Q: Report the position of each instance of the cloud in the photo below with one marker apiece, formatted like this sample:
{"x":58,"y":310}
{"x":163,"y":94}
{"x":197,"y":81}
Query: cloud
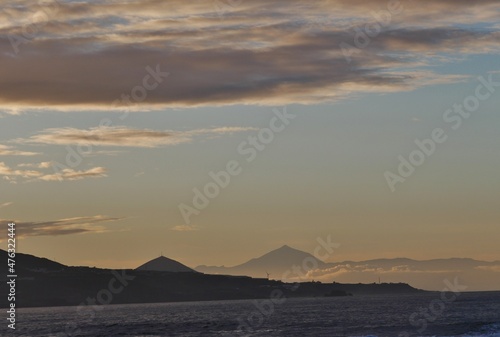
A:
{"x":184,"y":228}
{"x":103,"y":152}
{"x":78,"y":225}
{"x":12,"y":175}
{"x":9,"y":151}
{"x":495,"y":269}
{"x":5,"y":204}
{"x":123,"y":136}
{"x":358,"y":270}
{"x":45,"y":164}
{"x":8,"y":172}
{"x":255,"y":52}
{"x":14,"y":111}
{"x":71,"y":175}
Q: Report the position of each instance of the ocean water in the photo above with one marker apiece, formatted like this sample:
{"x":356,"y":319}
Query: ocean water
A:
{"x":430,"y":314}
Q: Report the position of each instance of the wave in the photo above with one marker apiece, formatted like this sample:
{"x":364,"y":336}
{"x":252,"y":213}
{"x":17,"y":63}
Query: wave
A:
{"x":490,"y":330}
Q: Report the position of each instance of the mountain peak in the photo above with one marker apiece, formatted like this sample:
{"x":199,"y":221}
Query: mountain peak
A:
{"x":277,"y":262}
{"x":284,"y":257}
{"x":163,"y":263}
{"x":286,"y":249}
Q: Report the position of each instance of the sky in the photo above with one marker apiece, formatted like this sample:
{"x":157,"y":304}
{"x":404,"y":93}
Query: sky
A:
{"x":215,"y":131}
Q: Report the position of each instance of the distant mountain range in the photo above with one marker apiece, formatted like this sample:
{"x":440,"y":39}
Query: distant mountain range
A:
{"x":42,"y":283}
{"x":287,"y":264}
{"x":429,"y":274}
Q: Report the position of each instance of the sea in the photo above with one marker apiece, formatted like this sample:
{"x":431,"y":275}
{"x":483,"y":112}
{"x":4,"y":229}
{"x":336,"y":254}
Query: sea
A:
{"x":428,"y":314}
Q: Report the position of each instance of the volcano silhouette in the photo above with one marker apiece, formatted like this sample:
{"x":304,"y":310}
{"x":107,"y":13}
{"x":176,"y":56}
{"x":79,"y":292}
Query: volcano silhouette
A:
{"x":163,"y":263}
